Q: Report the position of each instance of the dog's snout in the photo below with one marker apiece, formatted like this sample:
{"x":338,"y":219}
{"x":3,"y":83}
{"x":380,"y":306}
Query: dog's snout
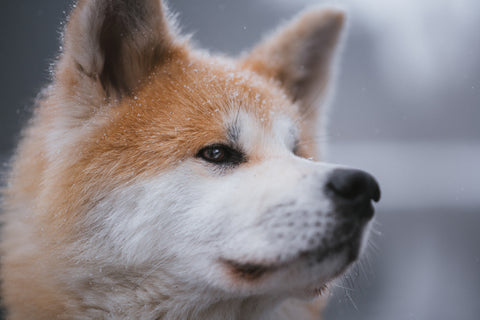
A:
{"x":351,"y":185}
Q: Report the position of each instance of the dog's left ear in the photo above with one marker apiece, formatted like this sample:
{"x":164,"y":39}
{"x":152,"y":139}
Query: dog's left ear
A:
{"x":299,"y":54}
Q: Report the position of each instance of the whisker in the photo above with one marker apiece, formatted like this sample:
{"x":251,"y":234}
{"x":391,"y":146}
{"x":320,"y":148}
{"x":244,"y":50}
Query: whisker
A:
{"x":373,"y":245}
{"x":336,"y":285}
{"x":351,"y":300}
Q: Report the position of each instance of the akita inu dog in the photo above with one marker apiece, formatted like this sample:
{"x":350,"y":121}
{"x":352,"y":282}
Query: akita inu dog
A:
{"x":158,"y":182}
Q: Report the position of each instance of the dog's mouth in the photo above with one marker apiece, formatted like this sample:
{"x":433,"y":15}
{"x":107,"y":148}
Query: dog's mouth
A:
{"x":253,"y":271}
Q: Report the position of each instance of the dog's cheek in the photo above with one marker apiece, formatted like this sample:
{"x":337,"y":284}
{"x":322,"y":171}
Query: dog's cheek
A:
{"x":137,"y":223}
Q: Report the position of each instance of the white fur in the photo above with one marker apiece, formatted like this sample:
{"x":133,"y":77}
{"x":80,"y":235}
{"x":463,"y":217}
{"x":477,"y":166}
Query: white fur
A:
{"x":169,"y":235}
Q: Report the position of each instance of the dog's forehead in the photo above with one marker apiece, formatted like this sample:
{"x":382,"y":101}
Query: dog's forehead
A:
{"x":213,"y":96}
{"x":256,"y":113}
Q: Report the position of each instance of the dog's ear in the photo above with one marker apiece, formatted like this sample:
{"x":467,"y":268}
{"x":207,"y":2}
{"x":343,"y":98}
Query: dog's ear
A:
{"x":299,"y":54}
{"x":299,"y":57}
{"x":110,"y":46}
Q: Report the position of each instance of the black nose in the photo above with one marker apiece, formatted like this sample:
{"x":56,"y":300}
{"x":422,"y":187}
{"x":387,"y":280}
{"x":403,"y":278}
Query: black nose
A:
{"x":352,"y":185}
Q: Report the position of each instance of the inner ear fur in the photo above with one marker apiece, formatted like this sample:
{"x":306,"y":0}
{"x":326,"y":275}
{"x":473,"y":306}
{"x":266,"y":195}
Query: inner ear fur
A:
{"x":298,"y":55}
{"x":110,"y":46}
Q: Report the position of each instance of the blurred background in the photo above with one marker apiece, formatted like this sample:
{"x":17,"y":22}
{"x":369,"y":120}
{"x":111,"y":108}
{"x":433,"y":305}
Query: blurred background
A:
{"x":406,"y":108}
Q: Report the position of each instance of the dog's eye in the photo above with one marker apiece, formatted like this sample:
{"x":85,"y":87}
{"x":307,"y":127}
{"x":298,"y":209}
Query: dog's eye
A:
{"x":221,"y":154}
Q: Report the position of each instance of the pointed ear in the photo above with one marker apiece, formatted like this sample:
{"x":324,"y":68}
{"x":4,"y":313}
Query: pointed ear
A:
{"x":299,"y":54}
{"x":110,"y":46}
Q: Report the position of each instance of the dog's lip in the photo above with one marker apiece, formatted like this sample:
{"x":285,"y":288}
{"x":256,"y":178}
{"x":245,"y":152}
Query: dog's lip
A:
{"x":249,"y":270}
{"x":253,"y":270}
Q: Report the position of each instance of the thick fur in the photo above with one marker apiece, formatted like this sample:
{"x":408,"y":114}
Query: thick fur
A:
{"x":109,"y":212}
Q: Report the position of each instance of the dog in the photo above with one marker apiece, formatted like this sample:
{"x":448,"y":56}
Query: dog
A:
{"x":158,"y":181}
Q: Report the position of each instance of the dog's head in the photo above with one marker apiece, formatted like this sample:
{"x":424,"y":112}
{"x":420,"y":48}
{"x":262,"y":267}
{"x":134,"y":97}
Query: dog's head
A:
{"x":200,"y":167}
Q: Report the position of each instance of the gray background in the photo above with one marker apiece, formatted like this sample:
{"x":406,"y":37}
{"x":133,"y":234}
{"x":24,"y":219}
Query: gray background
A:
{"x":406,"y":108}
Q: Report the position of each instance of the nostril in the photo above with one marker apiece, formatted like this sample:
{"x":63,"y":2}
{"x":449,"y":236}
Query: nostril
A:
{"x":351,"y":184}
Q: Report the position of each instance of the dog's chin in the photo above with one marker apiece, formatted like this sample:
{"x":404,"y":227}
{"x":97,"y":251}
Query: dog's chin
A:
{"x":311,"y":269}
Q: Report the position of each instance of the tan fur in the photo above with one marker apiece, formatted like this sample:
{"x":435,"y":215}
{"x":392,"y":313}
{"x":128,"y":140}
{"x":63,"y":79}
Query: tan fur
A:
{"x":87,"y":138}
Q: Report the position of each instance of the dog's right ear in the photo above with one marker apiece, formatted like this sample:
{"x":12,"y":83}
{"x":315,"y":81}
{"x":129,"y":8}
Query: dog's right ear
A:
{"x":110,"y":46}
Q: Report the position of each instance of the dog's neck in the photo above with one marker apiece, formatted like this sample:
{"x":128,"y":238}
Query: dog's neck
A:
{"x":251,"y":308}
{"x":172,"y":308}
{"x":154,"y":298}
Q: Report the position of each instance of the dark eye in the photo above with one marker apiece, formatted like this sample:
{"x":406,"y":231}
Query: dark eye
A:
{"x":221,"y":154}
